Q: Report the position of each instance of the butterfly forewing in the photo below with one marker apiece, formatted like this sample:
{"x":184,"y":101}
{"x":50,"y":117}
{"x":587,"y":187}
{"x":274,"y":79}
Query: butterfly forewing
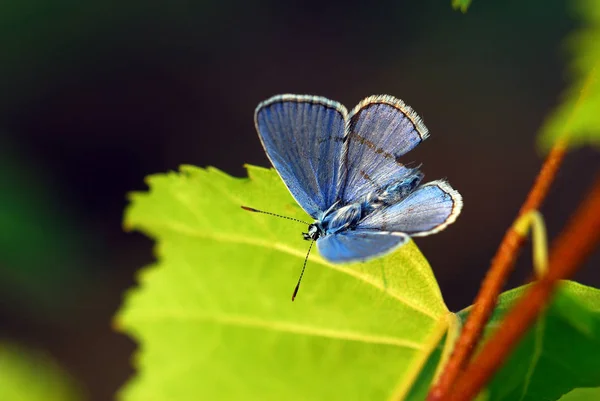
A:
{"x":303,"y":137}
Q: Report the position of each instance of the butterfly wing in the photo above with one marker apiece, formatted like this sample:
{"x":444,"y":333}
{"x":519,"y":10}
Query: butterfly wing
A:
{"x":357,"y":245}
{"x":427,"y":210}
{"x":303,"y":137}
{"x":379,"y":130}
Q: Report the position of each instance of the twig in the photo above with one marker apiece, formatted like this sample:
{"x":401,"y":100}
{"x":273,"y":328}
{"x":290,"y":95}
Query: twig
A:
{"x":494,"y":280}
{"x":570,"y":249}
{"x":502,"y":265}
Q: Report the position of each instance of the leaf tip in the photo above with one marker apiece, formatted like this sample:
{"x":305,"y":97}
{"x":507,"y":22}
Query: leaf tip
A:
{"x":117,"y":325}
{"x":128,"y":226}
{"x":254,"y":171}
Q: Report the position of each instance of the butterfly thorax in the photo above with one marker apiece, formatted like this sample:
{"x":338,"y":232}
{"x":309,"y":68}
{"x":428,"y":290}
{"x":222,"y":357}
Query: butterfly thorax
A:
{"x":334,"y":220}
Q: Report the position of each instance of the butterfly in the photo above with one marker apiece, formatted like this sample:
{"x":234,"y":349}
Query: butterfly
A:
{"x":344,"y":169}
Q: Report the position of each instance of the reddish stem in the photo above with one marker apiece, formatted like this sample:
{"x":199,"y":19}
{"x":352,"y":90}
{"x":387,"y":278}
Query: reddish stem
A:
{"x":570,"y":249}
{"x":501,"y":266}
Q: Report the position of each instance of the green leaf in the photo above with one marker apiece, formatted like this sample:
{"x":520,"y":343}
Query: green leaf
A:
{"x":582,"y":394}
{"x":582,"y":122}
{"x":559,"y":354}
{"x":27,"y":375}
{"x":214,"y":317}
{"x":461,"y":5}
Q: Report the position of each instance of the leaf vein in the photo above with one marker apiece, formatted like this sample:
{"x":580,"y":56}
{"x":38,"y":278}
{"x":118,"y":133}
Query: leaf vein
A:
{"x":182,"y":229}
{"x":159,"y":315}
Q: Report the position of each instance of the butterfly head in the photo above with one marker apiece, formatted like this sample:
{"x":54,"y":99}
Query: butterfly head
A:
{"x":314,"y":231}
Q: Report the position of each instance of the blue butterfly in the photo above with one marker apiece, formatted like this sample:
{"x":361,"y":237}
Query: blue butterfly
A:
{"x":343,"y":169}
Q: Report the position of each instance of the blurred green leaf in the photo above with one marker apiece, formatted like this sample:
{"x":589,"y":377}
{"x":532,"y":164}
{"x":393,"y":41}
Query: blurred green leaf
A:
{"x":461,"y":5}
{"x":32,"y":218}
{"x":559,"y":354}
{"x":582,"y":122}
{"x":214,"y":318}
{"x":27,"y":375}
{"x":582,"y":394}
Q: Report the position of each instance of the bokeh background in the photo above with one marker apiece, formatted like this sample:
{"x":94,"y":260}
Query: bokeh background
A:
{"x":95,"y":95}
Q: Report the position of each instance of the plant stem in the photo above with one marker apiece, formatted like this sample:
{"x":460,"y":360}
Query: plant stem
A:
{"x":570,"y":249}
{"x":502,"y":265}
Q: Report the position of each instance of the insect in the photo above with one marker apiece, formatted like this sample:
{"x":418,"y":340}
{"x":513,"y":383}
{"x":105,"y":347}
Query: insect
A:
{"x":343,"y":168}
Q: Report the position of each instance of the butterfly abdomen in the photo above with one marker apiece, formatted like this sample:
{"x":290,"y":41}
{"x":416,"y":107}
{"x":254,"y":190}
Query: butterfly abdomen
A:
{"x":400,"y":189}
{"x":392,"y":193}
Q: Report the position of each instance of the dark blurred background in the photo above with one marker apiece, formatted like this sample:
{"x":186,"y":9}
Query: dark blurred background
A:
{"x":95,"y":95}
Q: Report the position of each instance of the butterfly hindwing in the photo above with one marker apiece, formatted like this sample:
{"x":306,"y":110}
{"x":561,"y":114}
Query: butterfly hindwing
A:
{"x":303,"y":137}
{"x":358,"y":245}
{"x":427,"y":210}
{"x":379,"y":130}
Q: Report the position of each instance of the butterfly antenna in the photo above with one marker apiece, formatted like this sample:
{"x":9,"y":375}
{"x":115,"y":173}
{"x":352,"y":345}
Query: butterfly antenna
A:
{"x":302,"y":272}
{"x":250,"y":209}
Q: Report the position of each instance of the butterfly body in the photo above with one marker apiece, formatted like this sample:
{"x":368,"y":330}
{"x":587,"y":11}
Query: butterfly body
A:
{"x":346,"y":217}
{"x":344,"y":170}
